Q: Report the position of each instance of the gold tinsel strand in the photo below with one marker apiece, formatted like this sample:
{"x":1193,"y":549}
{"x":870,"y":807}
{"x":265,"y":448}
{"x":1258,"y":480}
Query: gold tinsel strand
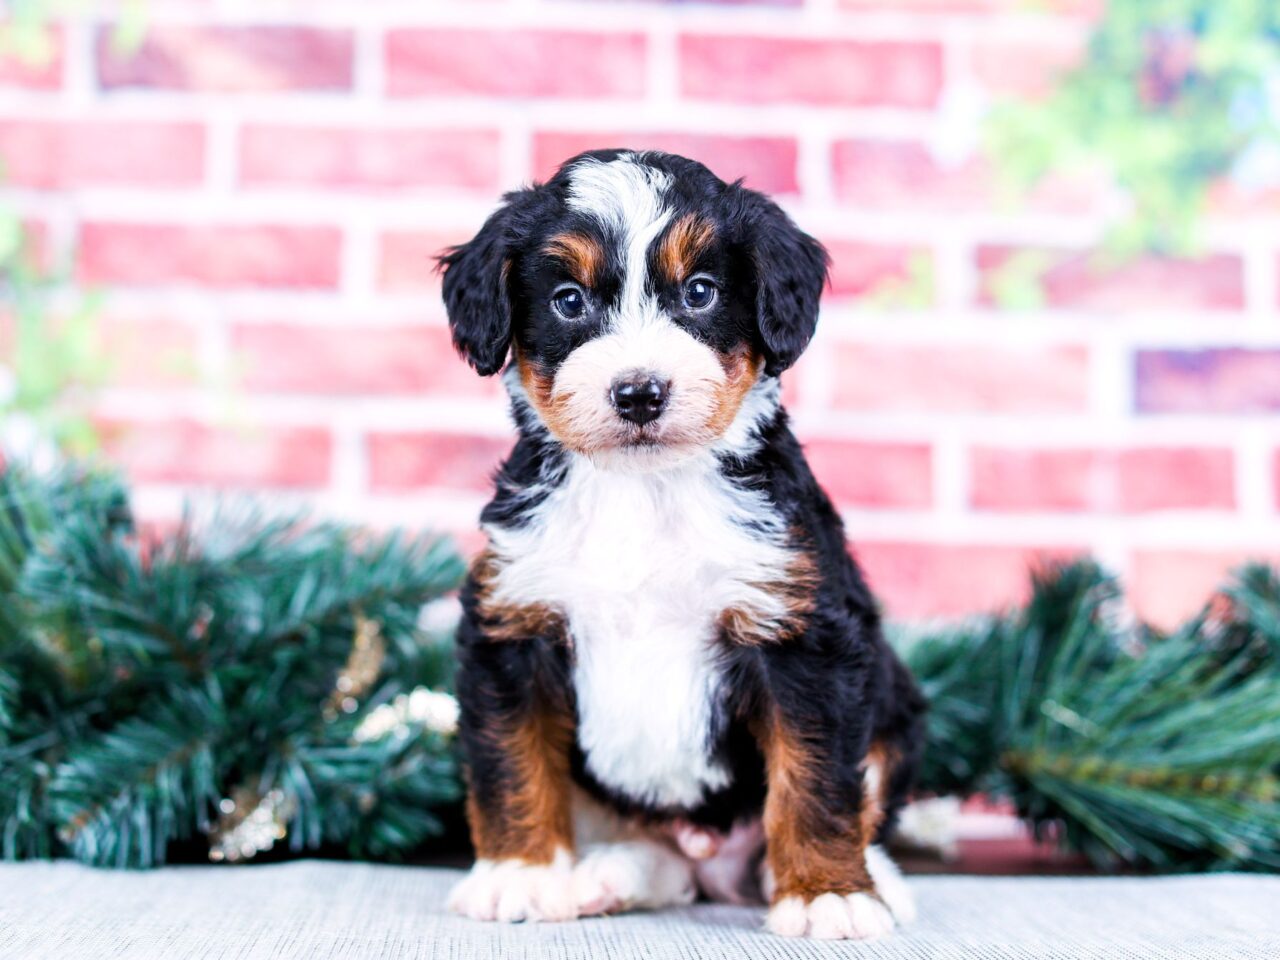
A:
{"x":248,"y":824}
{"x":358,"y":675}
{"x":249,"y":821}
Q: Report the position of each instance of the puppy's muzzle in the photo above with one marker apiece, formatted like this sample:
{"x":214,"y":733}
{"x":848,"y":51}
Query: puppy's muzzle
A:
{"x":639,"y":398}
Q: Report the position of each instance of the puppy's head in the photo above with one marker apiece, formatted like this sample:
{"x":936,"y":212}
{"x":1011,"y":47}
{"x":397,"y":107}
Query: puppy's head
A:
{"x":641,"y":299}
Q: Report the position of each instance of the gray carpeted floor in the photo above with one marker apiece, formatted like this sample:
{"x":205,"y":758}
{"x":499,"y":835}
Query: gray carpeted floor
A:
{"x":336,"y":911}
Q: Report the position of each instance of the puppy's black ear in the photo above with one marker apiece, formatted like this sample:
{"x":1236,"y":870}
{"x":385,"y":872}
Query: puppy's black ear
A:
{"x":790,"y":270}
{"x":476,"y":288}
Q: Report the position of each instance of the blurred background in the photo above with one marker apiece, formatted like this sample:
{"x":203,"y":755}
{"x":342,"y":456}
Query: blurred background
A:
{"x":1052,"y":324}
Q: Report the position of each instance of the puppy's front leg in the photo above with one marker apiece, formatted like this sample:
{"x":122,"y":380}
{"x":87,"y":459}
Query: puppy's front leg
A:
{"x":516,"y":728}
{"x":819,"y":819}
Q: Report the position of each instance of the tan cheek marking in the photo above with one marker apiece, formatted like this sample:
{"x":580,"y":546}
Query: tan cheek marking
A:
{"x":553,"y":410}
{"x":581,"y":254}
{"x":532,"y":818}
{"x":688,"y":238}
{"x":810,"y":850}
{"x":742,"y":372}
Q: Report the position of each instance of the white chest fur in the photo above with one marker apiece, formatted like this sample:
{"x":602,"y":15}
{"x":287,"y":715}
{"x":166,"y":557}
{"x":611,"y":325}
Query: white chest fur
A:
{"x":642,"y":566}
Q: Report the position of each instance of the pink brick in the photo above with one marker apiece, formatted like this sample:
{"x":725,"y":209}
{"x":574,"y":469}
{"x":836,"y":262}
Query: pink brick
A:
{"x":766,"y":163}
{"x":822,"y":72}
{"x":214,"y":256}
{"x":877,"y":475}
{"x":891,"y":173}
{"x":1275,"y":477}
{"x":515,"y":63}
{"x":376,"y":158}
{"x":231,"y":59}
{"x":961,"y":379}
{"x":894,"y":175}
{"x":858,"y":269}
{"x":1029,"y":69}
{"x":57,"y":155}
{"x":189,"y":452}
{"x":1083,"y":8}
{"x":403,"y":462}
{"x":1220,"y":381}
{"x":1083,"y":281}
{"x":1122,"y":481}
{"x":150,"y":351}
{"x":407,"y":258}
{"x":38,"y":73}
{"x":1168,"y":586}
{"x":916,"y":580}
{"x":291,"y":358}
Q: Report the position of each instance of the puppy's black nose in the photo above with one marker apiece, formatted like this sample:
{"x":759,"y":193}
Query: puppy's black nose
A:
{"x":639,"y":399}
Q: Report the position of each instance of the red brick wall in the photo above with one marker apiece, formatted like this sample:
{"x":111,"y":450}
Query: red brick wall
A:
{"x":261,"y":187}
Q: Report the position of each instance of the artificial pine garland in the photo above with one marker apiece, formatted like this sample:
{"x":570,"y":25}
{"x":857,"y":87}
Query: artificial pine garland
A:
{"x":212,"y":683}
{"x":1130,"y":746}
{"x":243,"y":681}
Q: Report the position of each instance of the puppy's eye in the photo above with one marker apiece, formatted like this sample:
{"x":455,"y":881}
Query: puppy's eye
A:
{"x":569,"y":302}
{"x":699,"y":293}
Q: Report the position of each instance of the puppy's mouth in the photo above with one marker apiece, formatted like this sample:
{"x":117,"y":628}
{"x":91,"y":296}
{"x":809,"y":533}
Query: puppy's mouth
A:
{"x":647,"y":437}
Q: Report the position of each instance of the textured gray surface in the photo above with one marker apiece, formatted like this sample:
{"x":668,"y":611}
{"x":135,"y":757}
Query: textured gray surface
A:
{"x":327,"y":911}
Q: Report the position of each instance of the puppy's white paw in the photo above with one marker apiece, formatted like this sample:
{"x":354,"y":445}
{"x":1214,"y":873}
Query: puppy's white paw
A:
{"x":890,"y":886}
{"x":858,"y":916}
{"x":512,"y":890}
{"x":628,"y":876}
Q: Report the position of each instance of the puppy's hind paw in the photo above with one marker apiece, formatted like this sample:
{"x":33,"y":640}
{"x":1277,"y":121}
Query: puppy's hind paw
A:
{"x":890,"y":885}
{"x":626,"y":876}
{"x":830,"y":916}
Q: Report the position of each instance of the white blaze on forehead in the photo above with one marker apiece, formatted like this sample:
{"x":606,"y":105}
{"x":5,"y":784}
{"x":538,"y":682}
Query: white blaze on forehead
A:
{"x":627,"y":198}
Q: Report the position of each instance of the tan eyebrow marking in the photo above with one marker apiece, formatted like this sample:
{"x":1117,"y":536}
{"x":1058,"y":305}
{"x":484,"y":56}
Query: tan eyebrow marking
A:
{"x":580,"y":252}
{"x":687,"y":239}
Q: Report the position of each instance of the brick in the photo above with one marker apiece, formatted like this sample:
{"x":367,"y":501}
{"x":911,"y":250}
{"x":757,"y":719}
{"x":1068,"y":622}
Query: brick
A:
{"x":716,"y":3}
{"x":1105,"y":481}
{"x":1168,"y":586}
{"x":191,"y":452}
{"x":135,"y":351}
{"x":404,"y":462}
{"x":960,"y":378}
{"x":36,"y":73}
{"x":149,"y":351}
{"x":214,"y":255}
{"x":876,"y":475}
{"x":861,"y":269}
{"x":765,"y":163}
{"x":1083,"y":281}
{"x":896,"y":175}
{"x":1028,"y":69}
{"x":849,"y":73}
{"x":1227,"y":380}
{"x":59,"y":155}
{"x":334,"y":157}
{"x":1082,"y":8}
{"x":407,"y":258}
{"x":515,"y":63}
{"x":292,"y":358}
{"x":230,"y":59}
{"x":917,"y":580}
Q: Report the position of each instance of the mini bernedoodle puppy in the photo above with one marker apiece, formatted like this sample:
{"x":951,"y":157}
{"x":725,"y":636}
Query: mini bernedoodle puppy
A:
{"x":672,"y":676}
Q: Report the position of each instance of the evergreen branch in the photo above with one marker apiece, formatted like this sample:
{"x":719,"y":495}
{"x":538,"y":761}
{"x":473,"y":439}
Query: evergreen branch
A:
{"x":122,"y":796}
